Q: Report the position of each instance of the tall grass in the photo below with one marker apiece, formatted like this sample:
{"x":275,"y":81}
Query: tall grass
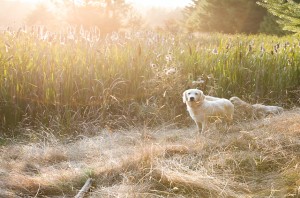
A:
{"x":76,"y":76}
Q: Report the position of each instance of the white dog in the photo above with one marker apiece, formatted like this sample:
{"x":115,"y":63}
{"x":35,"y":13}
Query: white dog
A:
{"x":246,"y":110}
{"x":204,"y":108}
{"x":242,"y":109}
{"x":261,"y":110}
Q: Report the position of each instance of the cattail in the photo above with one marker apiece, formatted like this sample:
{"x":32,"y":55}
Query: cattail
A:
{"x":168,"y":58}
{"x":249,"y":48}
{"x":190,"y":49}
{"x":227,"y":46}
{"x":170,"y":71}
{"x":215,"y":51}
{"x":262,"y":49}
{"x":286,"y":44}
{"x":197,"y":82}
{"x":7,"y":46}
{"x":275,"y":49}
{"x":114,"y":36}
{"x":62,"y":39}
{"x":153,"y":65}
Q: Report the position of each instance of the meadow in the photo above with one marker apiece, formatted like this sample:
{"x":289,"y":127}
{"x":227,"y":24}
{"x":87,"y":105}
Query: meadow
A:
{"x":78,"y":105}
{"x":75,"y":77}
{"x":251,"y":159}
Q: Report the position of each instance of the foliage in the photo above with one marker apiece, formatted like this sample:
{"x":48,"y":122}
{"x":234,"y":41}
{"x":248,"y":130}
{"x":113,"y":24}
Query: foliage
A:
{"x":287,"y":11}
{"x":41,"y":16}
{"x":121,"y":80}
{"x":271,"y":27}
{"x":168,"y":20}
{"x":231,"y":16}
{"x":107,"y":15}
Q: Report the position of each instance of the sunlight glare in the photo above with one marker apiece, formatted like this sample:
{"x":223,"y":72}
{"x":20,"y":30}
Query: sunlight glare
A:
{"x":152,"y":3}
{"x":33,"y":1}
{"x":161,"y":3}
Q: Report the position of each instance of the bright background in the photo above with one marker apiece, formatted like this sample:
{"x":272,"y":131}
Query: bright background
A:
{"x":152,"y":3}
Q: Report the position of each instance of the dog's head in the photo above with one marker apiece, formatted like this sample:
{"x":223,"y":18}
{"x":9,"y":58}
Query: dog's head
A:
{"x":238,"y":102}
{"x":193,"y":95}
{"x":235,"y":100}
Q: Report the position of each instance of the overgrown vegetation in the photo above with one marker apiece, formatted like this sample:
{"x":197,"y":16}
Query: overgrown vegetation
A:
{"x":67,"y":80}
{"x":90,"y":103}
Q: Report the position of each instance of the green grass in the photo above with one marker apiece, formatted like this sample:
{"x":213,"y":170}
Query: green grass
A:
{"x":77,"y":77}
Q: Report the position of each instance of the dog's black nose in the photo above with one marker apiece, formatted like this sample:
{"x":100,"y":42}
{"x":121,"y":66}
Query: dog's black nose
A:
{"x":192,"y":98}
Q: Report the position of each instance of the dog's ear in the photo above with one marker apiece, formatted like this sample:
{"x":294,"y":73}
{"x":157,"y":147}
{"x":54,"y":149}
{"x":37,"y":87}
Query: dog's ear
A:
{"x":184,"y":98}
{"x":202,"y":96}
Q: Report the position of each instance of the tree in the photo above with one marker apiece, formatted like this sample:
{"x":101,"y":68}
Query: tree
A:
{"x":230,"y":16}
{"x":41,"y":16}
{"x":287,"y":11}
{"x":108,"y":15}
{"x":270,"y":26}
{"x":172,"y":26}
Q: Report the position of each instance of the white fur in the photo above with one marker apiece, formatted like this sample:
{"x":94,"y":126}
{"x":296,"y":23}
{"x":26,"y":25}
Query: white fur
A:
{"x":246,"y":110}
{"x":242,"y":109}
{"x":204,"y":108}
{"x":263,"y":110}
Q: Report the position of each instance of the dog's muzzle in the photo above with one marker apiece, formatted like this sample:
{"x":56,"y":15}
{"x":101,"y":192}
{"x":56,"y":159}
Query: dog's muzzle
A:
{"x":192,"y":99}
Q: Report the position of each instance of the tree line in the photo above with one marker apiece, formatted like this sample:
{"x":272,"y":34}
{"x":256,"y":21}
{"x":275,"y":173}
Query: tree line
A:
{"x":276,"y":17}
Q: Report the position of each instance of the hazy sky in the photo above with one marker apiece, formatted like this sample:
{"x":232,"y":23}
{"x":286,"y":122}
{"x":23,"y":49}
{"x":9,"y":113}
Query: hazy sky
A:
{"x":14,"y":13}
{"x":143,"y":3}
{"x":161,"y":3}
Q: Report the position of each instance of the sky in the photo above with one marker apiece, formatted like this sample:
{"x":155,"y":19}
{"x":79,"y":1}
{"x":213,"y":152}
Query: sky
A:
{"x":161,"y":3}
{"x":15,"y":12}
{"x":142,"y":3}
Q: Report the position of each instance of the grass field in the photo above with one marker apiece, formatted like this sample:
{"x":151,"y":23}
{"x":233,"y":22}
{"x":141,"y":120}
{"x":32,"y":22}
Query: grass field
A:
{"x":77,"y":105}
{"x":77,"y":77}
{"x":250,"y":159}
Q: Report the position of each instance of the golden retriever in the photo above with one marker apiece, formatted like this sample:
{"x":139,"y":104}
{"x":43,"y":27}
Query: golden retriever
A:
{"x":203,"y":109}
{"x":261,"y":110}
{"x":242,"y":109}
{"x":245,"y":110}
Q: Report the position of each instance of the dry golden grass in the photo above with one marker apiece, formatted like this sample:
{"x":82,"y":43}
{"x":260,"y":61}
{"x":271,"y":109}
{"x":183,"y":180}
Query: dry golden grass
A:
{"x":250,"y":159}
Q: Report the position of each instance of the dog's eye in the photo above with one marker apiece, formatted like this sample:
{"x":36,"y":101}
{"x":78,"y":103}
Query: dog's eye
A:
{"x":189,"y":93}
{"x":196,"y":93}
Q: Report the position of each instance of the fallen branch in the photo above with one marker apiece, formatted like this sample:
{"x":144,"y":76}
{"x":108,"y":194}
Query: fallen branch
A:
{"x":84,"y":188}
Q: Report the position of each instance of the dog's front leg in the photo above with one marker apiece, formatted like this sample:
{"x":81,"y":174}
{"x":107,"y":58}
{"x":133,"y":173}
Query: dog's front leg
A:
{"x":203,"y":127}
{"x":199,"y":127}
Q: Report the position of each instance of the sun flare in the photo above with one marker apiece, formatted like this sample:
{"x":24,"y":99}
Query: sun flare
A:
{"x":160,"y":3}
{"x":152,"y":3}
{"x":33,"y":1}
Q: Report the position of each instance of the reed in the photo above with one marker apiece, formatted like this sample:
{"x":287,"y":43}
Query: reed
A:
{"x":124,"y":79}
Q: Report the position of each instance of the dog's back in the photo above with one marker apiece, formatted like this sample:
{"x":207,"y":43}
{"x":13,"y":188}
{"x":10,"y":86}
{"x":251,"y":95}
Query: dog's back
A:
{"x":243,"y":110}
{"x":262,"y":110}
{"x":222,"y":108}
